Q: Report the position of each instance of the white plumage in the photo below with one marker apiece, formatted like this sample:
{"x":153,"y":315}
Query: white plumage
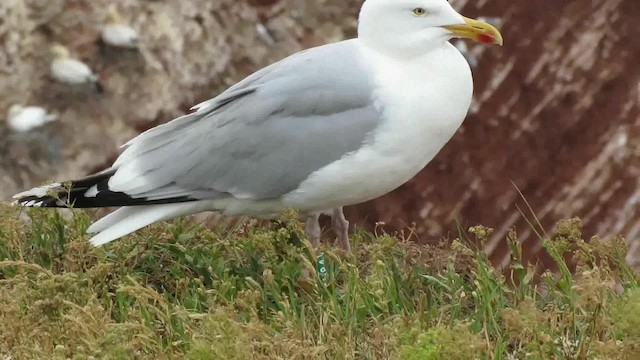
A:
{"x":118,"y":34}
{"x":68,"y":70}
{"x":25,"y":118}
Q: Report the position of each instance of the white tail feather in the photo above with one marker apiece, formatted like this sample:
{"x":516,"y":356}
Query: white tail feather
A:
{"x":130,"y":219}
{"x":112,"y":219}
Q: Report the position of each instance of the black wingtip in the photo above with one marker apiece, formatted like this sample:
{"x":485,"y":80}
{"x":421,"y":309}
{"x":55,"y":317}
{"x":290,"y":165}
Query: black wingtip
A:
{"x":38,"y":201}
{"x":89,"y":192}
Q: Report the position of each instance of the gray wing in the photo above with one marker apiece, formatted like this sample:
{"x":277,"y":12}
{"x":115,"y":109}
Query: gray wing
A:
{"x":262,"y":137}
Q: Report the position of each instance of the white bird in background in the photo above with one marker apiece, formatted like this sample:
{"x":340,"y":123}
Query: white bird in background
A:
{"x":23,"y":119}
{"x":118,"y":34}
{"x":70,"y":71}
{"x":327,"y":127}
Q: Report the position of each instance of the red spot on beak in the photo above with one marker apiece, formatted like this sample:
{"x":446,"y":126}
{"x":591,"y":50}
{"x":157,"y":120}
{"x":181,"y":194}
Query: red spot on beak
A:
{"x":486,"y":39}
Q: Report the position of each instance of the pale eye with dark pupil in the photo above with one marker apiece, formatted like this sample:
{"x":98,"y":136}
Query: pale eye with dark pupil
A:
{"x":419,"y":11}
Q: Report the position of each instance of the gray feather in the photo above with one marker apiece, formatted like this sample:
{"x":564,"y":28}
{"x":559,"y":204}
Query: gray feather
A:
{"x":262,"y":137}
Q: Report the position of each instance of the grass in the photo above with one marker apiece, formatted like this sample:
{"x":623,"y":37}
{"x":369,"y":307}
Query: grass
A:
{"x":179,"y":291}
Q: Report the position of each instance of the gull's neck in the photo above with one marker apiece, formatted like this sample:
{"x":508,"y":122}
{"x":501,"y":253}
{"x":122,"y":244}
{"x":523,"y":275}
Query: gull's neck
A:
{"x":407,"y":48}
{"x":417,"y":56}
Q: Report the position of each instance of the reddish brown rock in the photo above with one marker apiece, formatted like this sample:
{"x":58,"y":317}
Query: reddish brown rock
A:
{"x":557,"y":116}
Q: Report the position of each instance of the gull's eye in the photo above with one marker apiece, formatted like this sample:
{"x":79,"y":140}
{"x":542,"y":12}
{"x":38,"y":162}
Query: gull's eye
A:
{"x":419,"y":11}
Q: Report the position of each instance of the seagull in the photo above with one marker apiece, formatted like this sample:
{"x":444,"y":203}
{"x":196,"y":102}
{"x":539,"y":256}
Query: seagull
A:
{"x":22,"y":119}
{"x":118,"y":34}
{"x":327,"y":127}
{"x":68,"y":70}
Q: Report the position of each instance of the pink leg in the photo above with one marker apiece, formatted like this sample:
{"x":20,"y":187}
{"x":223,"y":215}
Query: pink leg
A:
{"x":313,"y":230}
{"x":341,"y":228}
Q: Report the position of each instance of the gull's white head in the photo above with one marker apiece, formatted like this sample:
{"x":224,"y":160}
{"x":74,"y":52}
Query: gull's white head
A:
{"x":59,"y":51}
{"x":414,"y":27}
{"x":14,"y":111}
{"x":113,"y":15}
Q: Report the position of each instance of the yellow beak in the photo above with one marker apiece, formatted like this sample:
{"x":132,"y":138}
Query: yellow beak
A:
{"x":476,"y":30}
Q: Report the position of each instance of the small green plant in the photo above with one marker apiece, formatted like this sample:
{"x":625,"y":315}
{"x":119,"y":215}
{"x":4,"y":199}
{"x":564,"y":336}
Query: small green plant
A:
{"x":177,"y":290}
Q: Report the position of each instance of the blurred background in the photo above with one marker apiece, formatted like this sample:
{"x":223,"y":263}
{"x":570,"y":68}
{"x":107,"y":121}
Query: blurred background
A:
{"x":556,"y":113}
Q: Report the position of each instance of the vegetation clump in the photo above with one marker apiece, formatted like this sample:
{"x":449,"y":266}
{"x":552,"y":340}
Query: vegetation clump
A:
{"x":176,"y":290}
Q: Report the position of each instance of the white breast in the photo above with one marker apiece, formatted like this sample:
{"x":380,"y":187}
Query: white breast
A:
{"x":71,"y":71}
{"x":120,"y":35}
{"x":424,"y":102}
{"x":29,"y":118}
